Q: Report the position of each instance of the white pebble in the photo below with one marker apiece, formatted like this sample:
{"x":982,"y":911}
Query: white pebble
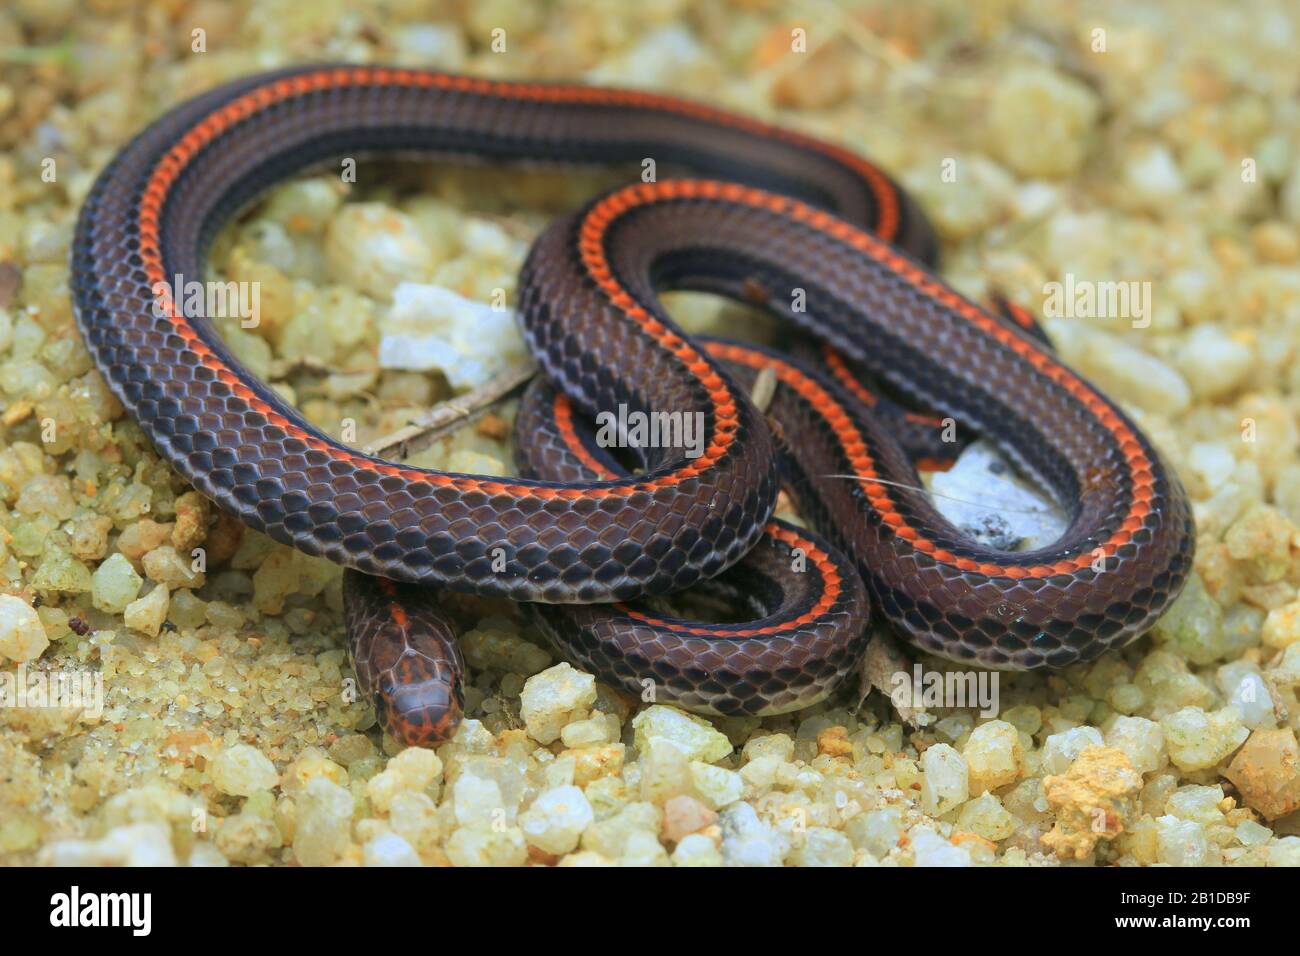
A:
{"x":553,"y":698}
{"x":555,"y":820}
{"x":388,"y":849}
{"x":945,"y":783}
{"x":22,"y":635}
{"x":242,"y":770}
{"x":1059,"y":750}
{"x":930,"y":849}
{"x":1213,"y":363}
{"x":1246,"y":690}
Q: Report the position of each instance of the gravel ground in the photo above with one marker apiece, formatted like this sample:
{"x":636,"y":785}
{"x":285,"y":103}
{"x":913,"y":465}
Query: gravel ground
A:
{"x":1050,"y":142}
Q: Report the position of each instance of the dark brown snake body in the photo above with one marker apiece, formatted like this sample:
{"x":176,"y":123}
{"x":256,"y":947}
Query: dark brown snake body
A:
{"x":784,"y":219}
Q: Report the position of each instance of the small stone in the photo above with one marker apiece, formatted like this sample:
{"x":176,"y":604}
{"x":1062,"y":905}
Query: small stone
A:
{"x":141,"y":537}
{"x":779,"y":746}
{"x":1214,"y":363}
{"x":1180,"y":842}
{"x":433,"y":327}
{"x":876,"y":831}
{"x":495,"y":645}
{"x":684,"y":815}
{"x":311,"y":762}
{"x":135,"y":844}
{"x":553,"y":698}
{"x":479,"y":803}
{"x":1126,"y":372}
{"x":1169,"y":685}
{"x":665,"y":770}
{"x":1275,"y":242}
{"x":1060,"y":750}
{"x":19,"y":832}
{"x":823,"y":846}
{"x":114,"y":585}
{"x":930,"y":849}
{"x":413,"y":769}
{"x":1192,"y":626}
{"x":88,"y":537}
{"x":247,"y":838}
{"x":47,"y":494}
{"x":986,"y":817}
{"x":471,"y":737}
{"x":1247,"y":691}
{"x":608,"y":837}
{"x":1025,"y":717}
{"x":746,"y":840}
{"x":953,"y":728}
{"x":1151,"y":178}
{"x":278,"y":576}
{"x":191,"y":528}
{"x":473,"y":846}
{"x":834,"y":742}
{"x":1285,"y":852}
{"x":322,"y":823}
{"x":593,"y":763}
{"x":242,"y":770}
{"x":554,"y":822}
{"x":696,"y":849}
{"x":643,"y":849}
{"x":1260,"y":542}
{"x":373,"y":248}
{"x":695,"y":737}
{"x":186,"y":611}
{"x":761,"y":773}
{"x":147,"y":614}
{"x":585,"y":858}
{"x":1250,"y":833}
{"x":1092,"y":801}
{"x":22,"y":635}
{"x":1052,"y":115}
{"x":1286,"y":671}
{"x":907,"y":773}
{"x":558,"y":772}
{"x":165,"y":565}
{"x":351,"y":748}
{"x":818,"y":80}
{"x":389,"y":849}
{"x":1140,"y":740}
{"x":591,"y":732}
{"x":1198,"y":740}
{"x":994,"y":757}
{"x":414,"y":817}
{"x":944,"y":785}
{"x":716,"y":786}
{"x":1266,"y":772}
{"x":1194,"y":802}
{"x":1281,"y":627}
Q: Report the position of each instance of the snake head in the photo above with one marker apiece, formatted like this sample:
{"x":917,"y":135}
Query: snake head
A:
{"x":422,"y":712}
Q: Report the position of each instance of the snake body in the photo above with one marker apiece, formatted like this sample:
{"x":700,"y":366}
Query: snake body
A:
{"x":811,"y":232}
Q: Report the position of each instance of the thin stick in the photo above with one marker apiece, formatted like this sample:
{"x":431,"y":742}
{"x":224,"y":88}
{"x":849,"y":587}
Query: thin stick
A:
{"x":764,"y":388}
{"x":1045,"y":510}
{"x":453,"y":414}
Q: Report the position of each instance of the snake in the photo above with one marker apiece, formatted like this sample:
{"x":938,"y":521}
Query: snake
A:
{"x":604,"y":546}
